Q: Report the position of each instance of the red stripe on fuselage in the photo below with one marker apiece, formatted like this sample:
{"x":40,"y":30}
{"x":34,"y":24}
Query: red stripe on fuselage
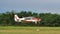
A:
{"x":35,"y":19}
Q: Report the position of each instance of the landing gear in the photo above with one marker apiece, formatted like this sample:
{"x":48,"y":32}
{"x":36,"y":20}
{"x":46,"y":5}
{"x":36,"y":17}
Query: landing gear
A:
{"x":36,"y":22}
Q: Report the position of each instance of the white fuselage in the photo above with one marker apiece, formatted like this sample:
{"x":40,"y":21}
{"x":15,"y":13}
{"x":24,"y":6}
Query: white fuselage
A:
{"x":26,"y":19}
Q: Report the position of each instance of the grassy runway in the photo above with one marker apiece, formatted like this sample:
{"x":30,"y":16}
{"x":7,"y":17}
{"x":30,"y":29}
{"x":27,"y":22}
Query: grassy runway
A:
{"x":29,"y":30}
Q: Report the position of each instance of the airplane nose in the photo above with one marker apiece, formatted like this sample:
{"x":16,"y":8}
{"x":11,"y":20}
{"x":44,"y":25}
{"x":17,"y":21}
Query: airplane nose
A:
{"x":39,"y":20}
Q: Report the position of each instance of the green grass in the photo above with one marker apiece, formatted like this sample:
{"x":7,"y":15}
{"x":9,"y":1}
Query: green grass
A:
{"x":29,"y":30}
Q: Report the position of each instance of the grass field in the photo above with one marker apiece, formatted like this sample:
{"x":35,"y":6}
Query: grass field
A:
{"x":29,"y":30}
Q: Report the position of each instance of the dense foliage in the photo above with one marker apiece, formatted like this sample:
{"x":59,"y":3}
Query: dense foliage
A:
{"x":47,"y":19}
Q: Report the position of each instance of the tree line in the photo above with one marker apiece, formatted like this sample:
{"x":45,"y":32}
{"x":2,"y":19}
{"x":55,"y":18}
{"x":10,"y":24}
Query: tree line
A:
{"x":47,"y":19}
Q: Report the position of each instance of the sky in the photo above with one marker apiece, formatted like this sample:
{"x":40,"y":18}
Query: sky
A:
{"x":38,"y":6}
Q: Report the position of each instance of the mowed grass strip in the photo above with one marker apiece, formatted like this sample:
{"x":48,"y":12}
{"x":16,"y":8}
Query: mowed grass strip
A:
{"x":29,"y":30}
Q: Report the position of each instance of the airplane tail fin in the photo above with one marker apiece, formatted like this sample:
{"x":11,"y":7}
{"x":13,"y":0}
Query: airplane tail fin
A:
{"x":16,"y":18}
